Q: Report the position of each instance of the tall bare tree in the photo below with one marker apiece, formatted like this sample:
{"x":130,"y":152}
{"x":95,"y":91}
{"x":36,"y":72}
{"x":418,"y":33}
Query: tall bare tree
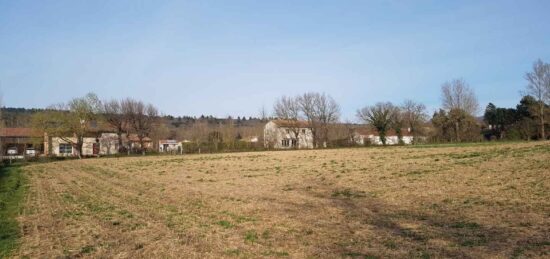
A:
{"x":71,"y":121}
{"x":114,"y":116}
{"x":288,"y":108}
{"x":414,"y":115}
{"x":141,"y":118}
{"x":458,"y":98}
{"x":319,"y":110}
{"x":380,"y":116}
{"x":328,"y":112}
{"x":457,"y":94}
{"x":307,"y":103}
{"x":539,"y":87}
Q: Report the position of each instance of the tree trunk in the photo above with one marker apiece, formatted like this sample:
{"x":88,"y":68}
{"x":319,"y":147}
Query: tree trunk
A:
{"x":79,"y":149}
{"x":119,"y":134}
{"x":79,"y":144}
{"x":542,"y":133}
{"x":383,"y":139}
{"x":142,"y":145}
{"x":457,"y":131}
{"x":314,"y":137}
{"x":325,"y":137}
{"x":297,"y":136}
{"x":413,"y":133}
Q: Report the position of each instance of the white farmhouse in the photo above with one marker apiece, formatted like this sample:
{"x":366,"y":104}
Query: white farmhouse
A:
{"x":287,"y":134}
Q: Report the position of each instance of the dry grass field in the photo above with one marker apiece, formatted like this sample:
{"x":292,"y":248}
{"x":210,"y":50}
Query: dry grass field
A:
{"x":472,"y":201}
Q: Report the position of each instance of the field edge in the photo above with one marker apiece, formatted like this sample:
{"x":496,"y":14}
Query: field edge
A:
{"x":13,"y":187}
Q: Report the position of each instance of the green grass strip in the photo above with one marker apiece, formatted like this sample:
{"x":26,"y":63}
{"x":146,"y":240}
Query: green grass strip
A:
{"x":13,"y":185}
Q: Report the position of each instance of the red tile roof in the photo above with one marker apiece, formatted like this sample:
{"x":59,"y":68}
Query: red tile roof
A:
{"x":19,"y":132}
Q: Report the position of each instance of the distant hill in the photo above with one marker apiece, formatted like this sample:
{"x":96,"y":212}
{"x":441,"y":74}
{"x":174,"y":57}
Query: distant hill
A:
{"x":18,"y":117}
{"x":184,"y":121}
{"x":21,"y":117}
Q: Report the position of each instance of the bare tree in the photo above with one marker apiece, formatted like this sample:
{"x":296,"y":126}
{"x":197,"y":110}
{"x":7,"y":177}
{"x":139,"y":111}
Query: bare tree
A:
{"x":141,"y":118}
{"x":319,"y":110}
{"x":539,"y":87}
{"x":228,"y":132}
{"x":456,"y":94}
{"x":199,"y":131}
{"x":380,"y":116}
{"x":113,"y":115}
{"x":328,"y":112}
{"x":307,"y":104}
{"x":288,"y":108}
{"x":414,"y":115}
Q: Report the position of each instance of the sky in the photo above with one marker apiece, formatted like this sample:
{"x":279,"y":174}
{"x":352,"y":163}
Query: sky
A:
{"x":233,"y":57}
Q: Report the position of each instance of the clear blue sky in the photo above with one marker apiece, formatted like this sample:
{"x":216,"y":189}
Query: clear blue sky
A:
{"x":231,"y":57}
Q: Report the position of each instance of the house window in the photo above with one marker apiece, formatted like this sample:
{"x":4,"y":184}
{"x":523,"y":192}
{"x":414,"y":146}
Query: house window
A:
{"x":65,"y":149}
{"x":288,"y":131}
{"x":303,"y":131}
{"x":285,"y":142}
{"x":294,"y":142}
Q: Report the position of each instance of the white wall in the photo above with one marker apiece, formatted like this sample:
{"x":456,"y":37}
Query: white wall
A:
{"x":274,"y":135}
{"x":375,"y":140}
{"x":55,"y":146}
{"x":108,"y":145}
{"x":170,"y":148}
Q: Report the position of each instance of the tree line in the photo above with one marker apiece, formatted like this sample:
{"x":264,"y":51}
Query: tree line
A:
{"x":529,"y":119}
{"x":88,"y":116}
{"x":81,"y":117}
{"x":455,"y":121}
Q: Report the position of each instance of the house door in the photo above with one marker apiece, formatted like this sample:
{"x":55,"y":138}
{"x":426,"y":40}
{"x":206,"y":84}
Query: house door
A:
{"x":96,"y":148}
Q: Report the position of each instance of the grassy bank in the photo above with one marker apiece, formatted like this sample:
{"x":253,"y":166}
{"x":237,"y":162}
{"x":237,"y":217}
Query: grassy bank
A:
{"x":12,"y":191}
